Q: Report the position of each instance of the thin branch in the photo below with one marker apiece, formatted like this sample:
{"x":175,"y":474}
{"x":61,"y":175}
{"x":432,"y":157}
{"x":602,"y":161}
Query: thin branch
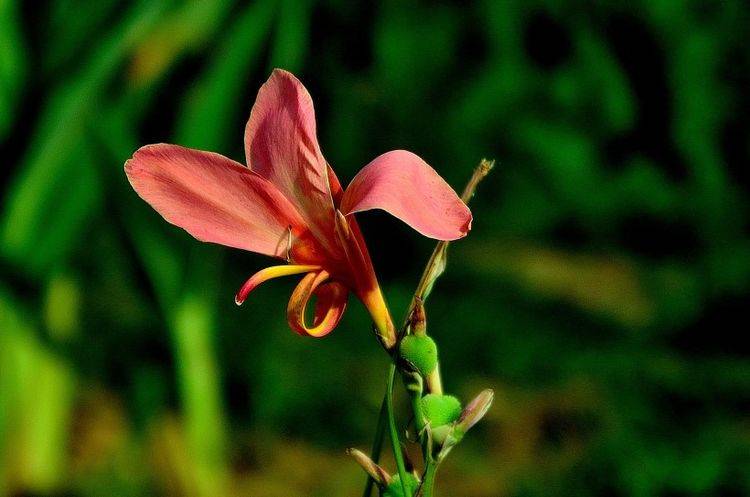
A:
{"x":438,"y":259}
{"x":395,"y":441}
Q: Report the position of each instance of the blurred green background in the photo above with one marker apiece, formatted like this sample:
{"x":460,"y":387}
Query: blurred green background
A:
{"x":603,"y":292}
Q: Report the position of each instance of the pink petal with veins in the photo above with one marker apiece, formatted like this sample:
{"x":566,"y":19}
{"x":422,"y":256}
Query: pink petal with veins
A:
{"x":214,"y":198}
{"x":402,"y":184}
{"x":281,"y":145}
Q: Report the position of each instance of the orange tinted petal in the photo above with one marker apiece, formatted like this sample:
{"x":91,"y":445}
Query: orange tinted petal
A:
{"x":366,"y":284}
{"x":329,"y":308}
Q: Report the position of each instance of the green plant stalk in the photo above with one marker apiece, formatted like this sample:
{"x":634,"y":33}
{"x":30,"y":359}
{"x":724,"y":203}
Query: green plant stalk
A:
{"x":427,"y":489}
{"x":396,"y":444}
{"x":433,"y":381}
{"x":434,"y":268}
{"x":192,"y":325}
{"x":377,"y":445}
{"x":415,"y":393}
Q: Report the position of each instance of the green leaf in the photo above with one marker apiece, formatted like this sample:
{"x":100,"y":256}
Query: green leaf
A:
{"x":37,"y":395}
{"x":206,"y":118}
{"x":12,"y":63}
{"x":292,"y":35}
{"x":42,"y":214}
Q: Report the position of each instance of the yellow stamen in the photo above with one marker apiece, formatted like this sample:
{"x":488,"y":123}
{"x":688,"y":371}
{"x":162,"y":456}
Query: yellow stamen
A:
{"x":268,"y":274}
{"x":324,"y":323}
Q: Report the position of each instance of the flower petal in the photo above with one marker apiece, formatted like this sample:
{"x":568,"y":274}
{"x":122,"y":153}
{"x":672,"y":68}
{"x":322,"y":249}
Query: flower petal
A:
{"x":214,"y":198}
{"x":269,"y":273}
{"x":329,"y":308}
{"x":402,"y":184}
{"x":365,"y":283}
{"x":281,"y":145}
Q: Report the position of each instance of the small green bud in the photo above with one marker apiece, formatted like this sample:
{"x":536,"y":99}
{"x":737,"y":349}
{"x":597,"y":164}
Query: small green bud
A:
{"x":376,"y":472}
{"x":394,"y":488}
{"x":475,"y":411}
{"x":440,"y":409}
{"x":420,"y":352}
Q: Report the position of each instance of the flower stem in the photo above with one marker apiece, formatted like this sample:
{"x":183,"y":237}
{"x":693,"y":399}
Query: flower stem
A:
{"x":377,"y":445}
{"x":395,"y":443}
{"x":437,"y":262}
{"x":433,"y":383}
{"x":427,"y":488}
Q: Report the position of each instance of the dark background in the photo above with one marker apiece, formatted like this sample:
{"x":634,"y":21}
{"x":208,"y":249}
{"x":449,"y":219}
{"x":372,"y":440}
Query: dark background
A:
{"x":602,"y":293}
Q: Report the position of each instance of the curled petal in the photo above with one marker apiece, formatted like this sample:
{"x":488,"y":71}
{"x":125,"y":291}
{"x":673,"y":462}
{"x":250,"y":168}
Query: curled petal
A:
{"x":402,"y":184}
{"x":330,"y":305}
{"x":268,"y":274}
{"x":214,"y":198}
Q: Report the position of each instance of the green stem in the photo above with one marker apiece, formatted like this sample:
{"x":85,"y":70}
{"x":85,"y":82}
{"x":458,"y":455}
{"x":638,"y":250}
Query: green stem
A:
{"x":396,"y":444}
{"x":434,"y":269}
{"x":377,"y":444}
{"x":428,"y":484}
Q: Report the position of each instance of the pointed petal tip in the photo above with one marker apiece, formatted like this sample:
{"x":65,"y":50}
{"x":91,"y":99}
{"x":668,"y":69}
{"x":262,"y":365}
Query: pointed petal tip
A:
{"x":151,"y":148}
{"x":280,"y":71}
{"x":466,"y":228}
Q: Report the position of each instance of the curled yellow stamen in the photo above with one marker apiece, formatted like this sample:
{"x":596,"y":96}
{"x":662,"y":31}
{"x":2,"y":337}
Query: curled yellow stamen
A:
{"x":270,"y":273}
{"x":332,"y":297}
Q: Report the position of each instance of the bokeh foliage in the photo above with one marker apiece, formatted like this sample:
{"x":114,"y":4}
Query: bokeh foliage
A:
{"x":602,"y":292}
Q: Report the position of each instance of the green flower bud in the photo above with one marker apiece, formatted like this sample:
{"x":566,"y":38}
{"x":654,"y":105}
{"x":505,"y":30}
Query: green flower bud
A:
{"x":440,"y":410}
{"x":474,"y":411}
{"x":420,"y":352}
{"x":394,"y":488}
{"x":376,"y":472}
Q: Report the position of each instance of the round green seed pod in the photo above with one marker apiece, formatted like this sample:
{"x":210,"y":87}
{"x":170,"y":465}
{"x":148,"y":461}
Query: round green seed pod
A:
{"x":440,"y":410}
{"x":420,"y":352}
{"x":394,"y":488}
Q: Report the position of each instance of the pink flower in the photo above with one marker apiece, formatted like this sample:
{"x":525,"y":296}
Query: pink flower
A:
{"x":289,"y":204}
